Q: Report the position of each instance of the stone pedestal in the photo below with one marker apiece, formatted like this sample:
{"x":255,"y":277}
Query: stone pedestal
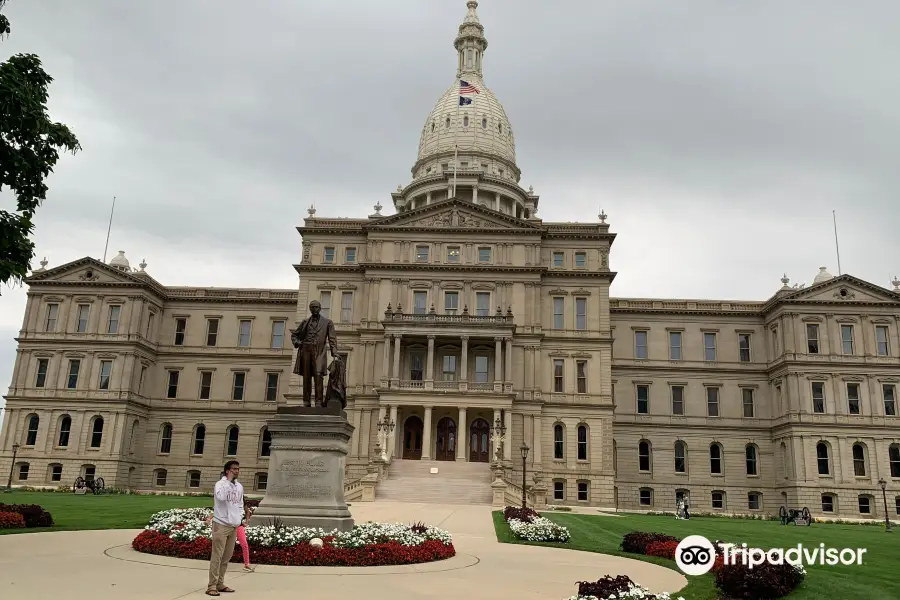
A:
{"x":306,"y":469}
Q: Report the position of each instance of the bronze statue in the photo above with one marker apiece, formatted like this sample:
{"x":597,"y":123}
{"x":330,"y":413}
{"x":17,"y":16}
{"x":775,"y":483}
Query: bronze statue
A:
{"x":310,"y":339}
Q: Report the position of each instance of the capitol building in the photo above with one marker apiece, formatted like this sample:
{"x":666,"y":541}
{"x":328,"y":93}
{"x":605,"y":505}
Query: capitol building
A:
{"x":472,"y":328}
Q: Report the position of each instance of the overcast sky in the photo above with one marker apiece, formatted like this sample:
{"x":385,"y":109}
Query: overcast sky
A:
{"x":718,"y":136}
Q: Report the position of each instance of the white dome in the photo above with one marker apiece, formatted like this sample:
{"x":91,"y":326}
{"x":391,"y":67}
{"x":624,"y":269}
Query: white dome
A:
{"x":822,"y":275}
{"x":120,"y":262}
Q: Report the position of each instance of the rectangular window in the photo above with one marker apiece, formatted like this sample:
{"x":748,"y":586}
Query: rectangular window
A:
{"x":864,"y":507}
{"x":744,"y":347}
{"x":112,"y":325}
{"x":56,"y":473}
{"x":23,"y":471}
{"x":420,"y":300}
{"x":271,"y":387}
{"x":277,"y":335}
{"x":712,"y":401}
{"x":346,"y":307}
{"x":262,"y":481}
{"x":484,"y":255}
{"x":749,"y":407}
{"x":244,"y":333}
{"x":559,"y":490}
{"x":449,"y":368}
{"x":194,"y":479}
{"x":212,"y":332}
{"x":150,"y":319}
{"x":646,"y":497}
{"x":675,"y":345}
{"x":328,"y":257}
{"x":580,"y":260}
{"x":105,"y":372}
{"x":325,"y":304}
{"x":718,"y":500}
{"x":643,"y":399}
{"x":881,"y":341}
{"x":42,"y":366}
{"x":558,"y":382}
{"x":141,"y":378}
{"x":72,"y":379}
{"x":775,"y":344}
{"x":709,"y":346}
{"x":812,"y":338}
{"x":161,"y":475}
{"x":481,"y":369}
{"x":482,"y":304}
{"x":581,"y":314}
{"x":451,"y":303}
{"x":421,"y":253}
{"x":205,"y":384}
{"x":847,"y":339}
{"x":581,"y":376}
{"x":890,"y":400}
{"x":558,"y":304}
{"x":453,"y":254}
{"x":818,"y":397}
{"x":583,"y":488}
{"x":557,"y":259}
{"x":350,"y":254}
{"x":416,"y":366}
{"x":237,"y":390}
{"x":827,"y":503}
{"x":640,"y":345}
{"x":172,"y":387}
{"x":677,"y":400}
{"x":180,"y":327}
{"x":82,"y":318}
{"x":52,"y":318}
{"x":853,"y":398}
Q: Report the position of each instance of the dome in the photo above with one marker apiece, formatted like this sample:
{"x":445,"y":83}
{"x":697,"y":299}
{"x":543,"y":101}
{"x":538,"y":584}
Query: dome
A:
{"x":120,"y":262}
{"x":822,"y":275}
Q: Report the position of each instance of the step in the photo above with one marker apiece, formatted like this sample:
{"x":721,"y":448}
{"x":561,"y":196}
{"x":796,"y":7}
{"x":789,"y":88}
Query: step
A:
{"x":454,"y":483}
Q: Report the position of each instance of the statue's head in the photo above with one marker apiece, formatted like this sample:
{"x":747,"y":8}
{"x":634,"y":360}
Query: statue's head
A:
{"x":315,"y":307}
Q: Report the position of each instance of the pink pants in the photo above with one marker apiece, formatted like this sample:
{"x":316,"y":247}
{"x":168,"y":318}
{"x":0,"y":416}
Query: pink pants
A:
{"x":242,"y":540}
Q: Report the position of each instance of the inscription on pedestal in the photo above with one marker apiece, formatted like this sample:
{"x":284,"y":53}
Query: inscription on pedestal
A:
{"x":303,"y":467}
{"x":304,"y":491}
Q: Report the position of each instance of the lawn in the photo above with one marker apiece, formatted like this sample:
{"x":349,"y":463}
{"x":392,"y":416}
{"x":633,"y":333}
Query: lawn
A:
{"x":71,"y":512}
{"x":878,"y":576}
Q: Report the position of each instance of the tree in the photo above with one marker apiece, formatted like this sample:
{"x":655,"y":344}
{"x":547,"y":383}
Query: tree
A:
{"x":29,"y":148}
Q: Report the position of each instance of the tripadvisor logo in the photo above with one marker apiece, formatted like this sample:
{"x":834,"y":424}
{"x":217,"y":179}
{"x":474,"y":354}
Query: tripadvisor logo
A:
{"x":695,"y":555}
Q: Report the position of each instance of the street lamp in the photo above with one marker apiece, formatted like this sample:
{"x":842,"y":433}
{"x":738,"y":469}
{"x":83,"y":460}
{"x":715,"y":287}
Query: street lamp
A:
{"x":887,"y":521}
{"x":498,"y":435}
{"x":12,"y":465}
{"x":524,"y":450}
{"x":385,"y":428}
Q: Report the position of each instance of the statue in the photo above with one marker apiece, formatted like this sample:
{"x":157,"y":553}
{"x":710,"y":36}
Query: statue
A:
{"x":310,"y":339}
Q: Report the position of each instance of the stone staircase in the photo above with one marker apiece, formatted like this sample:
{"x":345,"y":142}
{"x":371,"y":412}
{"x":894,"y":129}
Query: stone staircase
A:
{"x":454,"y":483}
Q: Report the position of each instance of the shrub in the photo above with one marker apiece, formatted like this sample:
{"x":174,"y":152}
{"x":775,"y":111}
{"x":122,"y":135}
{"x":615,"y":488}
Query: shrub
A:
{"x":636,"y":542}
{"x":34,"y":515}
{"x":605,"y":586}
{"x":662,"y":549}
{"x":762,"y":582}
{"x":11,"y":520}
{"x":539,"y":529}
{"x":526,"y":515}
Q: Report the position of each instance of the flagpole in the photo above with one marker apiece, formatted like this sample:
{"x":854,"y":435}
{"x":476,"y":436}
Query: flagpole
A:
{"x":837,"y":248}
{"x":456,"y":146}
{"x":108,"y":229}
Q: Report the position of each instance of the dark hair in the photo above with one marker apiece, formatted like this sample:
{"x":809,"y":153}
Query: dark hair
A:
{"x":230,"y":464}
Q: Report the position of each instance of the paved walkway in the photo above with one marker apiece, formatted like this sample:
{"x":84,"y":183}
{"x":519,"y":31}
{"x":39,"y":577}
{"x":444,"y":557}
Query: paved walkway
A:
{"x":100,"y":565}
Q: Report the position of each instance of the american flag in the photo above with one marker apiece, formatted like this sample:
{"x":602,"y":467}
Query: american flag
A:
{"x":467,"y":88}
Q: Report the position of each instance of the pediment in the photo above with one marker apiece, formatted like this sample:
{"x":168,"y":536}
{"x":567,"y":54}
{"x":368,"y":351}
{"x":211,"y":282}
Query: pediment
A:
{"x":83,"y":271}
{"x":844,"y":289}
{"x":453,"y":214}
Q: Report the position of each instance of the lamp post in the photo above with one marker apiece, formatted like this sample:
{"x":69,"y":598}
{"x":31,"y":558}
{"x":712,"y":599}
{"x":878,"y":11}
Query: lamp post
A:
{"x":524,"y":450}
{"x":498,"y":435}
{"x":12,"y":465}
{"x":887,"y":521}
{"x":385,"y":429}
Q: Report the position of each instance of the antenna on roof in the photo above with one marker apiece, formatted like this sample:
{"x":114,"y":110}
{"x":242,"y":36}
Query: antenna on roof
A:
{"x":837,"y":248}
{"x":108,"y":229}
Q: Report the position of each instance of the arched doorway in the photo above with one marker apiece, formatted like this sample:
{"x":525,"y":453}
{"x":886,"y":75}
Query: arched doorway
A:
{"x":446,"y":439}
{"x":480,"y":441}
{"x":412,"y":438}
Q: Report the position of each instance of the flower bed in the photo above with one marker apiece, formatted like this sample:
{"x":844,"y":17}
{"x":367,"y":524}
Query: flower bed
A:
{"x":527,"y":524}
{"x":33,"y":514}
{"x":11,"y":520}
{"x":184,"y":533}
{"x":765,"y":581}
{"x":620,"y":588}
{"x":636,"y":542}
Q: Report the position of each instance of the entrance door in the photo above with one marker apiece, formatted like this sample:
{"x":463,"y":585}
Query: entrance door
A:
{"x":480,"y":441}
{"x":412,"y":438}
{"x":446,"y":439}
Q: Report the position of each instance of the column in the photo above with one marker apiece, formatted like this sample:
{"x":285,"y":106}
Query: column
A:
{"x":462,"y":435}
{"x":392,"y":439}
{"x":396,"y":375}
{"x":429,"y":365}
{"x":357,"y":431}
{"x":426,"y":435}
{"x":529,"y":367}
{"x":464,"y":359}
{"x":495,"y":433}
{"x":507,"y":422}
{"x":386,"y":359}
{"x":507,"y":375}
{"x":427,"y":198}
{"x":536,"y":459}
{"x":497,"y":201}
{"x":475,"y":194}
{"x":498,"y":365}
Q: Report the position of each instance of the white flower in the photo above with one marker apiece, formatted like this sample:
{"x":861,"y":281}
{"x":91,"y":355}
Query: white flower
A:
{"x":540,"y":529}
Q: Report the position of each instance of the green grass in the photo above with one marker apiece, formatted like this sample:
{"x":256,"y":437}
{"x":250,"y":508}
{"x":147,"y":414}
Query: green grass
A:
{"x":71,"y":512}
{"x":878,"y":576}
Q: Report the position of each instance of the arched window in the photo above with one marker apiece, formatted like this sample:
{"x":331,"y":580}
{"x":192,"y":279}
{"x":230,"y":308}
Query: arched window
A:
{"x":131,"y":439}
{"x":500,"y":127}
{"x":785,"y":465}
{"x":715,"y":459}
{"x":750,"y":454}
{"x":65,"y":428}
{"x":160,"y":476}
{"x":465,"y":121}
{"x":822,"y":458}
{"x":165,"y":438}
{"x":859,"y":460}
{"x":559,"y":442}
{"x":894,"y":458}
{"x":447,"y":123}
{"x":97,"y":432}
{"x":680,"y":457}
{"x":432,"y":127}
{"x":231,"y":447}
{"x":265,"y":443}
{"x":644,"y":455}
{"x":582,"y":442}
{"x":484,"y":123}
{"x":199,"y":439}
{"x":31,"y":436}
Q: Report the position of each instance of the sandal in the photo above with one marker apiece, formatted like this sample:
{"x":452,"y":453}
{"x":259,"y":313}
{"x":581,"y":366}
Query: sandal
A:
{"x":212,"y":593}
{"x":249,"y":569}
{"x":225,"y":590}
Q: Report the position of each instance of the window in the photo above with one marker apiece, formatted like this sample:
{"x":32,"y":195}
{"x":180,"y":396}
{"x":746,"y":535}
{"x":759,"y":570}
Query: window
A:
{"x":749,"y":405}
{"x":559,"y":490}
{"x":212,"y":332}
{"x":709,"y":346}
{"x":581,"y":314}
{"x":65,"y":428}
{"x":482,"y":304}
{"x":165,"y":439}
{"x":199,"y":439}
{"x":640,"y":344}
{"x":271,"y":387}
{"x":265,"y":443}
{"x":172,"y":387}
{"x":894,"y":459}
{"x":881,"y":340}
{"x":822,"y":458}
{"x":812,"y":338}
{"x":581,"y":376}
{"x":558,"y":383}
{"x":350,"y":254}
{"x":453,"y":254}
{"x":718,"y":500}
{"x":194,"y":479}
{"x":583,"y":488}
{"x":677,"y":399}
{"x":420,"y":300}
{"x":72,"y":379}
{"x":890,"y":399}
{"x":744,"y":347}
{"x":865,"y":507}
{"x":89,"y":472}
{"x":712,"y":401}
{"x":328,"y":256}
{"x":582,"y":442}
{"x":161,"y":476}
{"x":818,"y":397}
{"x":484,"y":126}
{"x":775,"y":345}
{"x":105,"y":372}
{"x":827,"y":503}
{"x":750,"y":455}
{"x":325,"y":304}
{"x":244,"y":333}
{"x":484,"y":255}
{"x":421,"y":253}
{"x":141,"y":379}
{"x":559,"y":442}
{"x":680,"y":457}
{"x":715,"y":459}
{"x":644,"y":456}
{"x":675,"y":345}
{"x":859,"y":460}
{"x":481,"y":369}
{"x":416,"y":366}
{"x":97,"y":432}
{"x":231,"y":446}
{"x":52,"y":318}
{"x":853,"y":398}
{"x":150,"y":318}
{"x":346,"y":307}
{"x":643,"y":399}
{"x":262,"y":481}
{"x":31,"y":435}
{"x":646,"y":497}
{"x":82,"y":318}
{"x":558,"y":304}
{"x":42,"y":366}
{"x":180,"y":326}
{"x":580,"y":260}
{"x":55,"y":472}
{"x":449,"y":367}
{"x":112,"y":325}
{"x":557,"y":259}
{"x":23,"y":471}
{"x":754,"y":500}
{"x":847,"y":339}
{"x":237,"y":389}
{"x":205,"y":384}
{"x":451,"y":303}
